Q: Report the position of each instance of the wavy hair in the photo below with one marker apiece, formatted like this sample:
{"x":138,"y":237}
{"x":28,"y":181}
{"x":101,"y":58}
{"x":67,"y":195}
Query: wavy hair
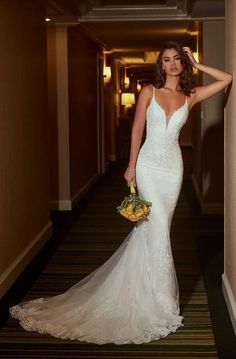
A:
{"x":186,"y":76}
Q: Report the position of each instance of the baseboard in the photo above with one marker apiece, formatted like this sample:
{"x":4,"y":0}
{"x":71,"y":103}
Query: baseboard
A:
{"x":212,"y":208}
{"x":68,"y":205}
{"x":9,"y":276}
{"x":186,"y":144}
{"x":206,"y":208}
{"x":229,"y":298}
{"x":83,"y":190}
{"x":61,"y":205}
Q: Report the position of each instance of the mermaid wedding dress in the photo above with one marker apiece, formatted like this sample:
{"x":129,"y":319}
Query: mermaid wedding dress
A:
{"x":133,"y":297}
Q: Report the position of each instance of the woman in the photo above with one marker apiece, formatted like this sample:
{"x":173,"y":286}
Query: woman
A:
{"x":133,"y":297}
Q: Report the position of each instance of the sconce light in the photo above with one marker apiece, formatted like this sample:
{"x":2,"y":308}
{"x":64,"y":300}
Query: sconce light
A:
{"x":127,"y":99}
{"x":139,"y":87}
{"x":116,"y":99}
{"x":196,"y":56}
{"x":126,"y":81}
{"x":107,"y":73}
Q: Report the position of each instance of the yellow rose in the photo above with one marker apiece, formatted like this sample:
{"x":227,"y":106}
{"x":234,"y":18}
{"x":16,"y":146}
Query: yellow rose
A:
{"x":139,"y":212}
{"x":123,"y":212}
{"x":132,"y":218}
{"x":146,"y":210}
{"x":129,"y":207}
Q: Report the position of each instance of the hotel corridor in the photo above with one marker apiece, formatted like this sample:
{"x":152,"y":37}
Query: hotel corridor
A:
{"x":71,"y":73}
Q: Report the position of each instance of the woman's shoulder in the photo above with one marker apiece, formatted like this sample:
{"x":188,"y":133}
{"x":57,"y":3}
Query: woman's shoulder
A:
{"x":145,"y":95}
{"x":147,"y":88}
{"x":146,"y":91}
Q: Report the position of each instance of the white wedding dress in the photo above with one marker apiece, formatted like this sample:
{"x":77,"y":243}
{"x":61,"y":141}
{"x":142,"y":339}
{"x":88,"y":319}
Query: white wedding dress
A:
{"x":134,"y":296}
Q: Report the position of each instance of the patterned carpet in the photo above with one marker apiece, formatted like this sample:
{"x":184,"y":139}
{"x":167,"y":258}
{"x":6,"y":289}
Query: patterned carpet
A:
{"x":95,"y":234}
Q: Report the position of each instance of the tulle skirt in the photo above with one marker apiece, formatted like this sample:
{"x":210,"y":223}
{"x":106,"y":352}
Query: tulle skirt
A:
{"x":133,"y":297}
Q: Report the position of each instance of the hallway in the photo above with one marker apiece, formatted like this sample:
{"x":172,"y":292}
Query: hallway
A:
{"x":95,"y":233}
{"x":71,"y":72}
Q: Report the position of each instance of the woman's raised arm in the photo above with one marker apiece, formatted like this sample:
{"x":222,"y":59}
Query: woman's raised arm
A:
{"x":222,"y":78}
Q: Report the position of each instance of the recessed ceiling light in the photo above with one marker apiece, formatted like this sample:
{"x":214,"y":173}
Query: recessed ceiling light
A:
{"x":47,"y":19}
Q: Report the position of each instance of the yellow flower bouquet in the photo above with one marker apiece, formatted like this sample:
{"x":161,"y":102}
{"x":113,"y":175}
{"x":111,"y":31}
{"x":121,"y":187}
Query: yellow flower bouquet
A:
{"x":134,"y":208}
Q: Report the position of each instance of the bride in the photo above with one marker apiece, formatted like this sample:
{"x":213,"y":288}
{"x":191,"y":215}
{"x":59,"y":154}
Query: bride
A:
{"x":134,"y":296}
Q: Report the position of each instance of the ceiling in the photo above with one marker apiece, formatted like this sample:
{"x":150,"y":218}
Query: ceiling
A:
{"x":134,"y":29}
{"x":138,"y":10}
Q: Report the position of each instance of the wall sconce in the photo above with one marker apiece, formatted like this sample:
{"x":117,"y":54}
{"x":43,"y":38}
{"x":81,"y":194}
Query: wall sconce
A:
{"x":126,"y":81}
{"x":196,"y":56}
{"x":139,"y":87}
{"x":116,"y":99}
{"x":127,"y":99}
{"x":107,"y":73}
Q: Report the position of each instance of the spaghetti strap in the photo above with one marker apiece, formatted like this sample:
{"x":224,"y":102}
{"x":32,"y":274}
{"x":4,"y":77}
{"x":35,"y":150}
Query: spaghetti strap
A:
{"x":153,"y":91}
{"x":186,"y":101}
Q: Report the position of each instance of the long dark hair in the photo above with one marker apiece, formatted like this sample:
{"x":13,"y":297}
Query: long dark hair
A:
{"x":186,"y":77}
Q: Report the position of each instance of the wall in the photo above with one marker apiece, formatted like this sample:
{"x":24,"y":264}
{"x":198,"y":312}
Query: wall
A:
{"x":58,"y":115}
{"x":208,"y":126}
{"x":82,"y":82}
{"x":229,"y":276}
{"x":213,"y":124}
{"x":24,"y":183}
{"x":73,"y":114}
{"x":195,"y":115}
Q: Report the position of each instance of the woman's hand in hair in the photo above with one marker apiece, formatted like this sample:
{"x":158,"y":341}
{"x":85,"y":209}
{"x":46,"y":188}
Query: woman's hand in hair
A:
{"x":190,"y":55}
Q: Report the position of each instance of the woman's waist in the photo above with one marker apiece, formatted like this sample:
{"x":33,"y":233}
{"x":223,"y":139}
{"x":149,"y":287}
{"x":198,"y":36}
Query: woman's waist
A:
{"x":160,"y":163}
{"x":160,"y":156}
{"x":163,"y":147}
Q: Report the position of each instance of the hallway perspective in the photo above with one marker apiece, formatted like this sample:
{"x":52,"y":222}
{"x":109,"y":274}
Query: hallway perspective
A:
{"x":96,"y":232}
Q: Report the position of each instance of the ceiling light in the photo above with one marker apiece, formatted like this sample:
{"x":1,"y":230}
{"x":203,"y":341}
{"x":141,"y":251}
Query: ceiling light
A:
{"x":150,"y":57}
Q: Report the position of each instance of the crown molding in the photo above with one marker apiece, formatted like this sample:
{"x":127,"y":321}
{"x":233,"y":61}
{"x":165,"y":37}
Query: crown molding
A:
{"x":72,"y":12}
{"x":136,"y":12}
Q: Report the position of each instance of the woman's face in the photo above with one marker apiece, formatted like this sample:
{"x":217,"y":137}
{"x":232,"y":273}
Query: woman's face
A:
{"x":171,"y":62}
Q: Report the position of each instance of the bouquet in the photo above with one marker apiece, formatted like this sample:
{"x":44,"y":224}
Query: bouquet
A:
{"x":132,"y":207}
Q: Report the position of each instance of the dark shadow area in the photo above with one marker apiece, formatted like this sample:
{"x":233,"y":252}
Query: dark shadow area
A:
{"x":210,"y":244}
{"x":213,"y":163}
{"x":211,"y":255}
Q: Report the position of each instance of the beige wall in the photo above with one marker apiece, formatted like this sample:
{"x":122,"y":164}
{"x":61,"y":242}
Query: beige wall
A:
{"x":82,"y":84}
{"x":58,"y":113}
{"x":196,"y":123}
{"x":73,"y":115}
{"x":212,"y":133}
{"x":208,"y":126}
{"x":24,"y":205}
{"x":229,"y":276}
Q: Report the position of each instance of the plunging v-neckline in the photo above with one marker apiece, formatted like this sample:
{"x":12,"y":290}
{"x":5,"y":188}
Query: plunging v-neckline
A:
{"x":168,"y":118}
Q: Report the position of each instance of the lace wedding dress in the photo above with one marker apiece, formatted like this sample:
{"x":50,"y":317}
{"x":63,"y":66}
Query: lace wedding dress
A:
{"x":134,"y":296}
